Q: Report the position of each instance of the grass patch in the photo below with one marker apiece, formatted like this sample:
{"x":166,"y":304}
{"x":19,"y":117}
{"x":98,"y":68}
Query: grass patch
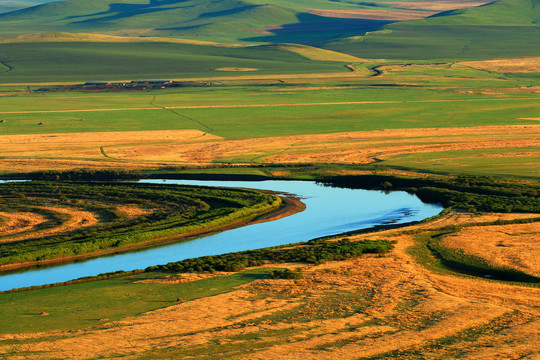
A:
{"x":82,"y":305}
{"x":501,"y":162}
{"x":459,"y":344}
{"x":57,"y":62}
{"x":181,"y":211}
{"x":428,"y":252}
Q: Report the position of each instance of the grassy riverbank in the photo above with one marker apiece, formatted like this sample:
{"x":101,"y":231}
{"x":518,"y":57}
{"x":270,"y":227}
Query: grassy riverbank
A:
{"x":76,"y":220}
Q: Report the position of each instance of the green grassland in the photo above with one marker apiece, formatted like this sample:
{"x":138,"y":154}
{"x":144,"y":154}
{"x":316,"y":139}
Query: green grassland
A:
{"x":274,"y":113}
{"x":181,"y":211}
{"x":506,"y":28}
{"x":500,"y":162}
{"x":222,"y":21}
{"x":57,"y":62}
{"x":82,"y":305}
{"x":425,"y":95}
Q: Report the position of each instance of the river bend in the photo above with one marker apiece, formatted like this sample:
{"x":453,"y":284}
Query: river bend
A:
{"x":329,"y":211}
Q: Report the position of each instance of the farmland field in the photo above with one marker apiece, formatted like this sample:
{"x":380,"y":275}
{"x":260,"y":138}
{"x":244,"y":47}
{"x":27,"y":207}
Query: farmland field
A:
{"x":265,"y":119}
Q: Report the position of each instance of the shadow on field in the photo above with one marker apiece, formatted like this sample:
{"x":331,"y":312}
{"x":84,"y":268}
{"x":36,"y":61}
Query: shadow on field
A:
{"x":312,"y":29}
{"x":122,"y":11}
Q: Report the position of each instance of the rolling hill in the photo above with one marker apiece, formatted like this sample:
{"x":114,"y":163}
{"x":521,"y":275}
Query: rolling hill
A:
{"x":14,"y":5}
{"x":299,"y":21}
{"x":505,"y":28}
{"x":73,"y":60}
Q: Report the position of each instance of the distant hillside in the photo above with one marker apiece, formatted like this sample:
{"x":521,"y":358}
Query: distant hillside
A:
{"x":209,"y":20}
{"x":260,"y":21}
{"x":506,"y":28}
{"x":13,"y":5}
{"x":97,"y":58}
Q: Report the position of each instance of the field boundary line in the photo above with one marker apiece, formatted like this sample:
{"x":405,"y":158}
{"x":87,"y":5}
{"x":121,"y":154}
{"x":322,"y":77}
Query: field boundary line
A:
{"x":153,"y":103}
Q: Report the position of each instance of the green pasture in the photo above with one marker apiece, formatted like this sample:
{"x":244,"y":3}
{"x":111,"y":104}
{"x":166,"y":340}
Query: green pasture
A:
{"x":391,"y":89}
{"x":57,"y":62}
{"x":411,"y":111}
{"x":221,"y":21}
{"x":444,"y":42}
{"x":522,"y":162}
{"x":505,"y":28}
{"x":82,"y":305}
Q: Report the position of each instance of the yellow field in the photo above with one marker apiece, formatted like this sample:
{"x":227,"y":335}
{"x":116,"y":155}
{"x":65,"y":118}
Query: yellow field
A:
{"x":521,"y":65}
{"x":383,"y":306}
{"x":23,"y":153}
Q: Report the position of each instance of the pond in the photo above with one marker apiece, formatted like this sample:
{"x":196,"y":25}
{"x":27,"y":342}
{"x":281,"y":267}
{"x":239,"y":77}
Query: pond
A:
{"x":329,"y":211}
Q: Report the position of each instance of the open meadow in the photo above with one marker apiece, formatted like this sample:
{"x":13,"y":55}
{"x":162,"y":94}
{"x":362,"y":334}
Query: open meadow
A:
{"x":407,"y":117}
{"x":438,"y":100}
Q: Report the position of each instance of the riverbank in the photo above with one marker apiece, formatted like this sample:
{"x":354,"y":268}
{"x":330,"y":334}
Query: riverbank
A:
{"x":289,"y":206}
{"x":372,"y":306}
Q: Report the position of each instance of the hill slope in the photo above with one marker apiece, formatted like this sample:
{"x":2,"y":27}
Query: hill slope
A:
{"x":224,"y":20}
{"x":74,"y":61}
{"x":506,"y":28}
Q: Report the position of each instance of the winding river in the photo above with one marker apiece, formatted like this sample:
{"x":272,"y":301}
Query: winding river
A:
{"x":329,"y":211}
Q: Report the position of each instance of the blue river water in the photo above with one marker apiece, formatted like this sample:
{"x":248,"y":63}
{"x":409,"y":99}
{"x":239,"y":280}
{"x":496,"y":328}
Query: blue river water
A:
{"x":329,"y":211}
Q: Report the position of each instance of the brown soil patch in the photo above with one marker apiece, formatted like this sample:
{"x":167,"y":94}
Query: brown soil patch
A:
{"x":517,"y":65}
{"x":372,"y":14}
{"x":437,"y":5}
{"x":513,"y":246}
{"x":339,"y":310}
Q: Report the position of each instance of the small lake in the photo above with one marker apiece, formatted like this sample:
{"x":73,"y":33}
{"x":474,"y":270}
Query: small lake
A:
{"x":329,"y":211}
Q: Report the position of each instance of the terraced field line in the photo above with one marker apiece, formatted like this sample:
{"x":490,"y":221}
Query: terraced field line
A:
{"x":267,"y":105}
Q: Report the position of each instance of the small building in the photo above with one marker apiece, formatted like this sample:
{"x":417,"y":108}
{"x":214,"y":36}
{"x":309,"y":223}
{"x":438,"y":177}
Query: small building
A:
{"x":151,"y":82}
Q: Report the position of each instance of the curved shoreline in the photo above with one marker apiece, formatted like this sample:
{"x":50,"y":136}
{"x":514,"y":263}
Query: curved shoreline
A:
{"x":290,"y":205}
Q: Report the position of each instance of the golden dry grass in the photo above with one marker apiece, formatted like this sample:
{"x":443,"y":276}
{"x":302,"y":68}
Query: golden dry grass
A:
{"x":162,"y":148}
{"x":23,"y":225}
{"x":339,"y":310}
{"x":517,"y":65}
{"x":513,"y":246}
{"x":18,"y":222}
{"x":77,"y":219}
{"x":132,"y":210}
{"x":75,"y":150}
{"x":351,"y":147}
{"x":317,"y":54}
